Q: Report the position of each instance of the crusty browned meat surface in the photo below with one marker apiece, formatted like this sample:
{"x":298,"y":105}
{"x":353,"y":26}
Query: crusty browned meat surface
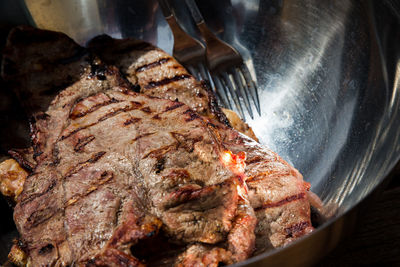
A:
{"x":116,"y":170}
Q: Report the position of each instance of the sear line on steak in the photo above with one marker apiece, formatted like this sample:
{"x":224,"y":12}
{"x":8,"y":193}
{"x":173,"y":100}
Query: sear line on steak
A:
{"x":118,"y":172}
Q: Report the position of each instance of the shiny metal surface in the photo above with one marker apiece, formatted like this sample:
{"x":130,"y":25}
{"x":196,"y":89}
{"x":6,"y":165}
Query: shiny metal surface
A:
{"x":329,"y":79}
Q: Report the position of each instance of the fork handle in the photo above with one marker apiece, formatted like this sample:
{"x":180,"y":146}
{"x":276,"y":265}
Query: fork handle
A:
{"x":207,"y":35}
{"x":198,"y":18}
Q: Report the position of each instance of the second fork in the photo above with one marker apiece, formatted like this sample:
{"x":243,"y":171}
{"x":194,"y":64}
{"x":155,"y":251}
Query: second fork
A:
{"x":229,"y":72}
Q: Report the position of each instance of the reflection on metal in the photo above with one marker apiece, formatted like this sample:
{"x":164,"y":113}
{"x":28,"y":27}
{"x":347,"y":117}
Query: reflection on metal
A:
{"x":80,"y":19}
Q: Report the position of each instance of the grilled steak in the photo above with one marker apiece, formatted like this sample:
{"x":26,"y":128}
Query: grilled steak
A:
{"x":117,"y":171}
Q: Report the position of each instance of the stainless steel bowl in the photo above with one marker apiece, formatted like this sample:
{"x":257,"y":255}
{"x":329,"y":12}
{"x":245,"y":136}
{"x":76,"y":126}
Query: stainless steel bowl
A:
{"x":329,"y":80}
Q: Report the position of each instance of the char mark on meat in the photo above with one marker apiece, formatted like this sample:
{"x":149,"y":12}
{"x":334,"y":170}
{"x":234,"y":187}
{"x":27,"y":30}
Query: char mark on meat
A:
{"x":82,"y":142}
{"x":166,"y":81}
{"x":281,"y":202}
{"x":77,"y":114}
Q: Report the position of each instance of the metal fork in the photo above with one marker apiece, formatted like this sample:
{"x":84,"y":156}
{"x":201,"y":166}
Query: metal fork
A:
{"x":189,"y":51}
{"x":229,"y":72}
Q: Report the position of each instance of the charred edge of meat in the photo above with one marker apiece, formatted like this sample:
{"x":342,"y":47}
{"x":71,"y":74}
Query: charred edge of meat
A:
{"x":97,"y":69}
{"x":100,"y":70}
{"x":27,"y":34}
{"x":166,"y":81}
{"x":213,"y":104}
{"x":104,"y":40}
{"x":15,"y":154}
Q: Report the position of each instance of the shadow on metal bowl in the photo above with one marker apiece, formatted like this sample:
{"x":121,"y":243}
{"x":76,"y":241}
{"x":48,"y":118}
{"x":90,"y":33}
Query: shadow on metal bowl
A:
{"x":329,"y":80}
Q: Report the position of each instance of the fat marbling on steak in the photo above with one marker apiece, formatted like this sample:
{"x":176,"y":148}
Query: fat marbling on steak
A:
{"x":118,"y":171}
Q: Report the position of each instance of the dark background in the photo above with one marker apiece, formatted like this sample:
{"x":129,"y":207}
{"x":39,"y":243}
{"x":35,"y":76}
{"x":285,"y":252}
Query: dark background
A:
{"x":376,"y":238}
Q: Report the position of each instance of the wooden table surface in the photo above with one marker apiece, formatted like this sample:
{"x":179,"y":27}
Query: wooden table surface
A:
{"x":376,"y":239}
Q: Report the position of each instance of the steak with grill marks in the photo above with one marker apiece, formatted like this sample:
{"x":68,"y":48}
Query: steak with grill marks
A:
{"x":154,"y":70}
{"x":116,"y":169}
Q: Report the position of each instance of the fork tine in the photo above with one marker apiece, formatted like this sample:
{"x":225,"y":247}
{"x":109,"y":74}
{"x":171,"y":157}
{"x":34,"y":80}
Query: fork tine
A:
{"x":233,"y":93}
{"x":202,"y":71}
{"x":243,"y":93}
{"x":223,"y":100}
{"x":252,"y":86}
{"x":221,"y":92}
{"x":194,"y":72}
